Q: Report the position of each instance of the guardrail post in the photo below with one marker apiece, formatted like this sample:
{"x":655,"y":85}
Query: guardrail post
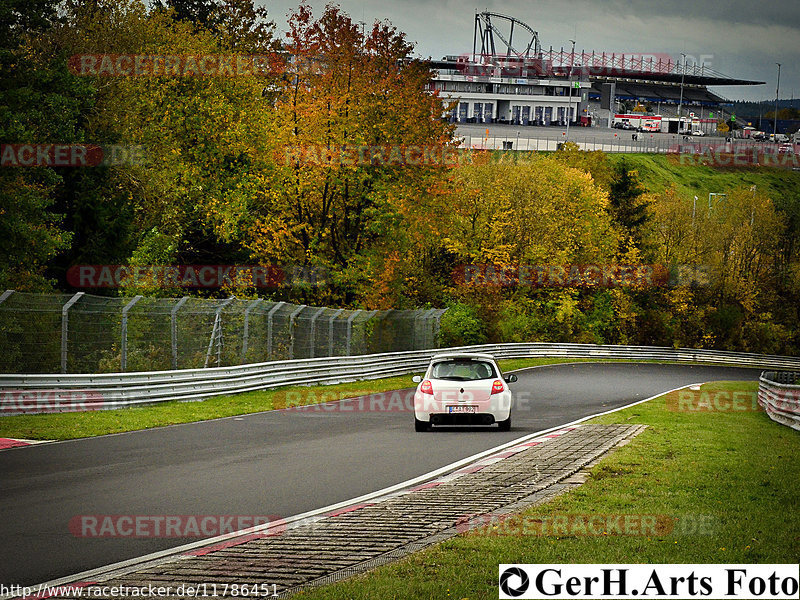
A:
{"x":65,"y":328}
{"x":313,"y":321}
{"x":297,"y":311}
{"x":330,"y":330}
{"x":173,"y":323}
{"x":123,"y":359}
{"x":269,"y":327}
{"x":350,"y":330}
{"x":246,"y":331}
{"x":216,"y":330}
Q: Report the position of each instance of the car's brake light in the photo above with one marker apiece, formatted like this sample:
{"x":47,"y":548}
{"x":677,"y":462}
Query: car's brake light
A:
{"x":426,"y":387}
{"x":497,"y":387}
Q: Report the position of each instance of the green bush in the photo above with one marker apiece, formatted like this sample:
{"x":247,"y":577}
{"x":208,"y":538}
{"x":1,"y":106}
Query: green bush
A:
{"x":461,"y":326}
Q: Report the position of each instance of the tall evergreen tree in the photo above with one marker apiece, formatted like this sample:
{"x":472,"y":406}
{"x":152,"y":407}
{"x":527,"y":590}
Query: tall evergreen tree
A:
{"x":628,"y":207}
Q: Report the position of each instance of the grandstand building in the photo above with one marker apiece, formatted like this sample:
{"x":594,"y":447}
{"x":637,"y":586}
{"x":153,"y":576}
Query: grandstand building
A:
{"x":523,"y":84}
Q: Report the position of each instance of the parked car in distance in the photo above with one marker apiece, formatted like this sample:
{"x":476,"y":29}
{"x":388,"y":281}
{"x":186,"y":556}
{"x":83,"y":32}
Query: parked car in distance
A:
{"x":698,"y":132}
{"x":463,"y":389}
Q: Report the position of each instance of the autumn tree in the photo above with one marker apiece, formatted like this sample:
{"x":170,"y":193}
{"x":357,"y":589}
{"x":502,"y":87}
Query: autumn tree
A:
{"x":205,"y":136}
{"x":39,"y":103}
{"x":345,"y":88}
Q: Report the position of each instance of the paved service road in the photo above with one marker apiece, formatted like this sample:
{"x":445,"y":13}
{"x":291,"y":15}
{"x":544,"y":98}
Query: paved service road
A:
{"x":274,"y":463}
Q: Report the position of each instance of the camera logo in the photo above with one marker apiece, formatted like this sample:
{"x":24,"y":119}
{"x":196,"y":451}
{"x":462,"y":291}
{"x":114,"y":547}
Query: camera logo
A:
{"x":520,"y":574}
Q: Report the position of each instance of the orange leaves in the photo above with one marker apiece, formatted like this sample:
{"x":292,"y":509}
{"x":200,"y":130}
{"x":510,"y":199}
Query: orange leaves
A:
{"x":387,"y":284}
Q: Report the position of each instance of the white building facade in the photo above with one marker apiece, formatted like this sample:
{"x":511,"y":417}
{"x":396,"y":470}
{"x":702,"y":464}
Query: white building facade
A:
{"x":473,"y":93}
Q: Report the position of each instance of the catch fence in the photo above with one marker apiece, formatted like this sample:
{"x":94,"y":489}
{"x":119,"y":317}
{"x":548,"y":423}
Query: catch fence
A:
{"x":83,"y":333}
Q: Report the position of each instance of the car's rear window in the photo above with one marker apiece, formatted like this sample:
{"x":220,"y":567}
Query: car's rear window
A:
{"x":463,"y":370}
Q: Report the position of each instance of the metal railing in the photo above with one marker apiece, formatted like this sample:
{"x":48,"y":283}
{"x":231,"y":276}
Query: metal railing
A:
{"x":82,"y":333}
{"x":779,"y":396}
{"x":34,"y":393}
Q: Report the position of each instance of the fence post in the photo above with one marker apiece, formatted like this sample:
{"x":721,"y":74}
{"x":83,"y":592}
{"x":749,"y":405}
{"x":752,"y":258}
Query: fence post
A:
{"x":350,"y":330}
{"x":245,"y":333}
{"x":65,"y":329}
{"x":330,"y":330}
{"x":313,"y":321}
{"x":371,"y":314}
{"x":123,"y":359}
{"x":269,"y":328}
{"x":173,"y":322}
{"x":427,"y":316}
{"x":437,"y":324}
{"x":297,"y":311}
{"x":216,"y":330}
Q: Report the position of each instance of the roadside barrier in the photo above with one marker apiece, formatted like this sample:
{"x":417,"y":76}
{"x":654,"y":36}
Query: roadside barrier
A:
{"x":779,"y":396}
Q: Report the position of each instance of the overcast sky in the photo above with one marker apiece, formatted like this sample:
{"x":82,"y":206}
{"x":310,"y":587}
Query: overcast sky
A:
{"x":739,"y":38}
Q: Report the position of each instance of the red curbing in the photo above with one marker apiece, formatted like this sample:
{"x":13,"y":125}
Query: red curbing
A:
{"x":12,"y":443}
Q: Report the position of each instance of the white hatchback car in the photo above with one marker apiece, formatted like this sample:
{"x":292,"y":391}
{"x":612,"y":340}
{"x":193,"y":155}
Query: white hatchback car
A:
{"x":463,"y":389}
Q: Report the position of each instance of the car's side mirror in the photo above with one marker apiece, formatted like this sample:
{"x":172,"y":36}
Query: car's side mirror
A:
{"x":416,"y":378}
{"x":510,"y":378}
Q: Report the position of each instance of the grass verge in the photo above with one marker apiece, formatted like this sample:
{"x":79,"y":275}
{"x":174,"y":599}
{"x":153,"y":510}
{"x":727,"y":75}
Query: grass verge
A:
{"x":727,"y":479}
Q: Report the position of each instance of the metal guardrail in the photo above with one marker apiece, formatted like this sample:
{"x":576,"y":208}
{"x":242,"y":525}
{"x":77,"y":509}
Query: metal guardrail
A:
{"x":36,"y":393}
{"x":779,"y":396}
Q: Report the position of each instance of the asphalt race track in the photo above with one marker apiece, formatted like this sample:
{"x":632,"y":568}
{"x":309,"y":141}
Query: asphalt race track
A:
{"x":274,"y":463}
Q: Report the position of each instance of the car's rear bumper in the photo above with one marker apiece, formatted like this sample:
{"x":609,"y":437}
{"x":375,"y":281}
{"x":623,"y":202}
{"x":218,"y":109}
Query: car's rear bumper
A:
{"x":428,"y":410}
{"x":461,"y":419}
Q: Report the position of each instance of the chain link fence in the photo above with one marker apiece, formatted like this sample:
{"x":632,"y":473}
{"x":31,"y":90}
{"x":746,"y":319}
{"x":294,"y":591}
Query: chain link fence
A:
{"x":82,"y":333}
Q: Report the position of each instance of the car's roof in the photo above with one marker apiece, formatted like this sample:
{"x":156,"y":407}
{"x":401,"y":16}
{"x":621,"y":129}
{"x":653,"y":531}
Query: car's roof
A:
{"x":476,"y":355}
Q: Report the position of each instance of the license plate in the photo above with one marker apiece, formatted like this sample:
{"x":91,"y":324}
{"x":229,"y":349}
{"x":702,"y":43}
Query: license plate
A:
{"x":462,"y":409}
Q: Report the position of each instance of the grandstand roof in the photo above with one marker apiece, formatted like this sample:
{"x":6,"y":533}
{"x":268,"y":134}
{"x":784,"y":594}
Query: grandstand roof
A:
{"x":661,"y":93}
{"x":558,"y":64}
